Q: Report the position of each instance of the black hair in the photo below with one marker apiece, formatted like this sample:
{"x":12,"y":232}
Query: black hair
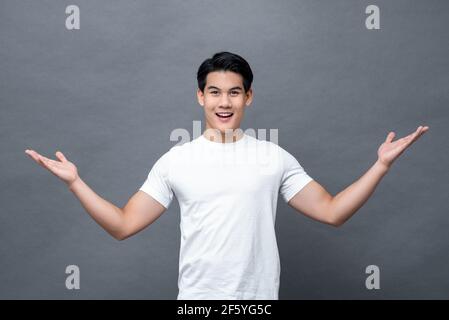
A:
{"x":225,"y":61}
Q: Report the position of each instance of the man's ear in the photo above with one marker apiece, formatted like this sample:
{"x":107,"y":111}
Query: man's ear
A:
{"x":200,"y":97}
{"x":249,"y":97}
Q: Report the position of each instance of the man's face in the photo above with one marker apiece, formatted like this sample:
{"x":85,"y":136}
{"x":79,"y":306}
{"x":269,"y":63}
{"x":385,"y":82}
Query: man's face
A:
{"x":224,"y":100}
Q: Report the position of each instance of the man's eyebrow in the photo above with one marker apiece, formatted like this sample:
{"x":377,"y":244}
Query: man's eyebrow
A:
{"x":233,"y":88}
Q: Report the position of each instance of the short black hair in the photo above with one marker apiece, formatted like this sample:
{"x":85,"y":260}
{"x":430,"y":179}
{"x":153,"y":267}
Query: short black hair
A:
{"x":225,"y":61}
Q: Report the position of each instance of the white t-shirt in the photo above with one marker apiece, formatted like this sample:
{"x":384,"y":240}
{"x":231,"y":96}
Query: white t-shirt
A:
{"x":227,"y":194}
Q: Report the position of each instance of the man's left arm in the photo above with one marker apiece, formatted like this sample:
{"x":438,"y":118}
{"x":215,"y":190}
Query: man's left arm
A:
{"x":315,"y":202}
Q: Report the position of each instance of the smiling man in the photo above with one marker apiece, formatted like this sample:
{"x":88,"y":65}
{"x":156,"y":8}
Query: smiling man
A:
{"x":224,"y":96}
{"x":227,"y":184}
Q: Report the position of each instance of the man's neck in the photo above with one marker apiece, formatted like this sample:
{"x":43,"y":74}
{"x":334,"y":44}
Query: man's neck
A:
{"x":228,"y":136}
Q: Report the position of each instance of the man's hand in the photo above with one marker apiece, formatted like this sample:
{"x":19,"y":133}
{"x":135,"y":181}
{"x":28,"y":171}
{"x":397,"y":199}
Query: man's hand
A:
{"x":63,"y":169}
{"x":314,"y":201}
{"x":390,"y":150}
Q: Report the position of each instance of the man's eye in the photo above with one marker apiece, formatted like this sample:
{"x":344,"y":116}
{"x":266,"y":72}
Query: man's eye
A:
{"x":234,"y":92}
{"x":214,"y":92}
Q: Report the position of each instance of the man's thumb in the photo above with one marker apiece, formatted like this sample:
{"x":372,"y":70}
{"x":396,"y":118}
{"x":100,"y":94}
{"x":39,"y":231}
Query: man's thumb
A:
{"x":60,"y":156}
{"x":390,"y":137}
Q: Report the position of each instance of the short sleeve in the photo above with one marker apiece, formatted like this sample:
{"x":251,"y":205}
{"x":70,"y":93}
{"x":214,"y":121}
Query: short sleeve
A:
{"x":157,"y":184}
{"x":294,"y":177}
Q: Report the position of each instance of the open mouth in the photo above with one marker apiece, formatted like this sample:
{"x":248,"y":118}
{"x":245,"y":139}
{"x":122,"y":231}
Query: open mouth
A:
{"x":224,"y":115}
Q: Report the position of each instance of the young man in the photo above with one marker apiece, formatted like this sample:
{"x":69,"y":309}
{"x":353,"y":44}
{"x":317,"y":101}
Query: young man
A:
{"x":227,"y":184}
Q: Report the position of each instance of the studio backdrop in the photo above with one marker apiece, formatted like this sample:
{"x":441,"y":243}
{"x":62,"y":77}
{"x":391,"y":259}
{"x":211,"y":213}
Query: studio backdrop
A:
{"x":108,"y":82}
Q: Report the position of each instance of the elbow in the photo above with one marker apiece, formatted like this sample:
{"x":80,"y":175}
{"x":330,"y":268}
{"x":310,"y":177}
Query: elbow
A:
{"x":335,"y":222}
{"x":332,"y":218}
{"x":121,"y":232}
{"x":120,"y":236}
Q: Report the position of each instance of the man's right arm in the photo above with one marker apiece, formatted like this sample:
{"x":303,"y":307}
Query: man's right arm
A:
{"x":140,"y":211}
{"x":121,"y":223}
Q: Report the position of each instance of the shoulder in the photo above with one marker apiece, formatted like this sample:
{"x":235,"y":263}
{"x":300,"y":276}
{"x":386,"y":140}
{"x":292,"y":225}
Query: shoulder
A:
{"x":285,"y":158}
{"x":178,"y":153}
{"x":271,"y":146}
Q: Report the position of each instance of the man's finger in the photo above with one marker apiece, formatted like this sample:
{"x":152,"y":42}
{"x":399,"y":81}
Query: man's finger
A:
{"x":42,"y":159}
{"x":34,"y":156}
{"x":416,"y":135}
{"x":390,"y":137}
{"x":412,"y":137}
{"x":60,"y":156}
{"x":46,"y":159}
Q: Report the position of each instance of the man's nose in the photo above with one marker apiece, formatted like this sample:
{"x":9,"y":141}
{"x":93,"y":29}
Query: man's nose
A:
{"x":225,"y":101}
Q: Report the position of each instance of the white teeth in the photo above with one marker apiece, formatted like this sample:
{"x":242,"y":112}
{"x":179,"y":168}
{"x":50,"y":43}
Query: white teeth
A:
{"x":224,"y":114}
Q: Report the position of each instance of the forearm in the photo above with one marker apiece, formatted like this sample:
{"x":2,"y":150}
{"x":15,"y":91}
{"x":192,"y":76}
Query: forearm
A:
{"x":106,"y":214}
{"x":348,"y":201}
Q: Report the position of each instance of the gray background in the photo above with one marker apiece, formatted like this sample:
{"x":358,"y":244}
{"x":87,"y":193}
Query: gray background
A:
{"x":108,"y":96}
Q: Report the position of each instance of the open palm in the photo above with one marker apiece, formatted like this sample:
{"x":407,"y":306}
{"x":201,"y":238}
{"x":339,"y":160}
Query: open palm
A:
{"x":390,"y":150}
{"x":63,"y":169}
